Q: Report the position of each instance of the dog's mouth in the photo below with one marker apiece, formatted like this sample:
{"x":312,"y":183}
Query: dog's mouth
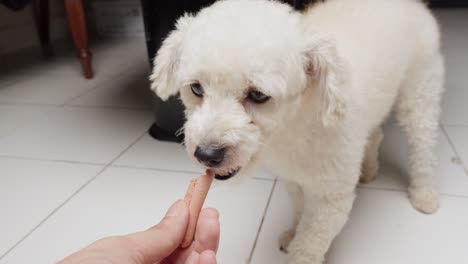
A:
{"x":223,"y":177}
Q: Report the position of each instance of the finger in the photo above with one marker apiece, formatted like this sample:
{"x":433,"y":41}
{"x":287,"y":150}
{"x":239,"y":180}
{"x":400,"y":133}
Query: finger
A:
{"x":208,"y":231}
{"x":207,"y":257}
{"x":160,"y":241}
{"x":206,"y":237}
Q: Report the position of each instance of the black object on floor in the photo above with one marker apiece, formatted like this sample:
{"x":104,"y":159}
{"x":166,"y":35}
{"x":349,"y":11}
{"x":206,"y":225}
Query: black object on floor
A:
{"x":15,"y":4}
{"x":159,"y":19}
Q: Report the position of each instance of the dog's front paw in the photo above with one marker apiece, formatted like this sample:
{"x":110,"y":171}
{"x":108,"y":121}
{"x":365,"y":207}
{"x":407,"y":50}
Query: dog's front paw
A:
{"x":304,"y":259}
{"x":369,"y":171}
{"x":299,"y":251}
{"x":286,"y":239}
{"x":367,"y":177}
{"x":424,"y":199}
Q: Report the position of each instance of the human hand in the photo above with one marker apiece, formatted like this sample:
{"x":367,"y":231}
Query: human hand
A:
{"x":159,"y":244}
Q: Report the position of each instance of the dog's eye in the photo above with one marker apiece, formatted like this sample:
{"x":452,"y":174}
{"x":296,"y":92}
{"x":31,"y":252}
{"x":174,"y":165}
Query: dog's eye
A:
{"x":197,"y":89}
{"x":257,"y":97}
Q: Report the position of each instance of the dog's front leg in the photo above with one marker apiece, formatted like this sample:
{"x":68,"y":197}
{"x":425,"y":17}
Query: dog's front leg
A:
{"x":322,"y":219}
{"x":297,"y":196}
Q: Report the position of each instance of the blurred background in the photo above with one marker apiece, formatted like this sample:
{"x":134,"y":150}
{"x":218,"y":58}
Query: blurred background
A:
{"x":87,"y":151}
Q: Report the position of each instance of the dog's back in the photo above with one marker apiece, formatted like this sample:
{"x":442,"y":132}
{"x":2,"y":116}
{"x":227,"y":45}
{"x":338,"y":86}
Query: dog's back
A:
{"x":380,"y":40}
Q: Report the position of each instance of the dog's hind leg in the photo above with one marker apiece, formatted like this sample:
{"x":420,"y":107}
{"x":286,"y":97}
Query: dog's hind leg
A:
{"x":417,"y":112}
{"x":370,"y":165}
{"x":297,"y":195}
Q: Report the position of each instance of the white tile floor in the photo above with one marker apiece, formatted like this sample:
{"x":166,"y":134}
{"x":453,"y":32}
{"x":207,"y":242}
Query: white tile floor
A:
{"x":76,"y":164}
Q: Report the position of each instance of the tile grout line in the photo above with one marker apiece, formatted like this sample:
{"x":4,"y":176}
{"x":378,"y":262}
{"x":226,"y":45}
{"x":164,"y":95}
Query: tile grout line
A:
{"x":455,"y":125}
{"x":267,"y":206}
{"x":92,"y":88}
{"x":154,"y":169}
{"x":114,"y":77}
{"x":454,"y":149}
{"x":54,"y":108}
{"x":107,"y":79}
{"x":20,"y":126}
{"x":59,"y":105}
{"x":111,"y":107}
{"x":90,"y":106}
{"x":113,"y":165}
{"x":405,"y":192}
{"x":71,"y":197}
{"x":52,"y":160}
{"x":176,"y":171}
{"x":28,"y":104}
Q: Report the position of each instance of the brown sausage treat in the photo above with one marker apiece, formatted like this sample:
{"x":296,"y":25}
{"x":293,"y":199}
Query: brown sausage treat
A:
{"x":195,"y":197}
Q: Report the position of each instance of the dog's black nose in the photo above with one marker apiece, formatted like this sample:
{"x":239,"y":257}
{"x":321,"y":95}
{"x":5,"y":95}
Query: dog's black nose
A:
{"x":210,"y":156}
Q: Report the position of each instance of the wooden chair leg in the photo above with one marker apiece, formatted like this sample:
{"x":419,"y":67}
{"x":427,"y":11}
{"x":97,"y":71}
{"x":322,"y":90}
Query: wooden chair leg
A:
{"x":41,"y":16}
{"x":77,"y":25}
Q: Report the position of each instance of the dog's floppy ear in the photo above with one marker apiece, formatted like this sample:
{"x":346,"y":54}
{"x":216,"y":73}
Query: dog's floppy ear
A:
{"x":326,"y":71}
{"x":163,"y":81}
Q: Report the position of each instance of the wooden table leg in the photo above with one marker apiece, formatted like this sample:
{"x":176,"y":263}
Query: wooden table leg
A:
{"x":77,"y":25}
{"x":41,"y":15}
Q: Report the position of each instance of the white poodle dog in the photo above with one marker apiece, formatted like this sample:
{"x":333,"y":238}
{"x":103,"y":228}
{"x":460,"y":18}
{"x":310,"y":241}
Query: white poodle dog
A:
{"x":306,"y":94}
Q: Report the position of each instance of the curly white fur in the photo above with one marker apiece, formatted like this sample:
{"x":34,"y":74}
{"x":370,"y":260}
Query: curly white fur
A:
{"x":334,"y":74}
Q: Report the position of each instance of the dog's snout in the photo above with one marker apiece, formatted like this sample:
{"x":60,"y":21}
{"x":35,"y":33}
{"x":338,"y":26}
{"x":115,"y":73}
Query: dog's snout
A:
{"x":210,"y":156}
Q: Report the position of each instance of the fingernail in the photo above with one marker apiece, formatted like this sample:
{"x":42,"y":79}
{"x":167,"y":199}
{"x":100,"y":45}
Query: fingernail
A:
{"x":177,"y":208}
{"x":210,"y":213}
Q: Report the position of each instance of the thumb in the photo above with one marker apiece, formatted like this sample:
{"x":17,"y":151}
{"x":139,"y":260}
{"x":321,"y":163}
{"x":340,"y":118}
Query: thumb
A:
{"x":158,"y":242}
